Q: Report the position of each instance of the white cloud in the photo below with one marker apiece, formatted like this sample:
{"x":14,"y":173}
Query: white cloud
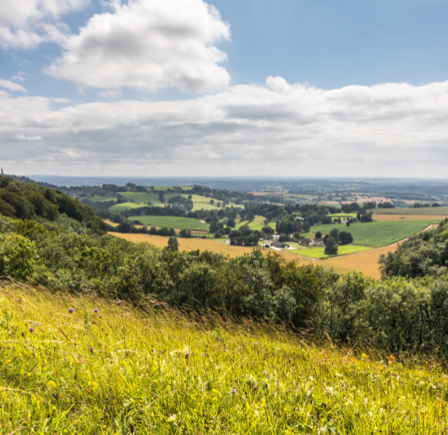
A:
{"x":26,"y":23}
{"x":278,"y":129}
{"x":7,"y":84}
{"x":113,"y":94}
{"x":148,"y":45}
{"x":32,"y":138}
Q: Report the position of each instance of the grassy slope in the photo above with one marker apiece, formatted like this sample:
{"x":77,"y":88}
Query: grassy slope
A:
{"x":418,"y":211}
{"x":172,"y":222}
{"x":378,"y":233}
{"x":139,"y":379}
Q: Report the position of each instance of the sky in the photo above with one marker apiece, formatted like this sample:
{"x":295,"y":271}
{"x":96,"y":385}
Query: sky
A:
{"x":224,"y":88}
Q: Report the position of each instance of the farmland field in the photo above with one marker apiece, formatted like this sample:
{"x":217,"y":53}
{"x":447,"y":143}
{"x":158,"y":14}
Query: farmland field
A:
{"x":257,"y":224}
{"x":408,"y":217}
{"x":101,"y":198}
{"x":188,"y":244}
{"x":364,"y":262}
{"x":199,"y":202}
{"x":417,"y":211}
{"x":172,"y":222}
{"x":124,"y":206}
{"x":315,"y":252}
{"x":378,"y":234}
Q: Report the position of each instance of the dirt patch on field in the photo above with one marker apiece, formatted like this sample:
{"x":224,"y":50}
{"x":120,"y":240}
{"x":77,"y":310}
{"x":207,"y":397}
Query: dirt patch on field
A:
{"x":407,"y":217}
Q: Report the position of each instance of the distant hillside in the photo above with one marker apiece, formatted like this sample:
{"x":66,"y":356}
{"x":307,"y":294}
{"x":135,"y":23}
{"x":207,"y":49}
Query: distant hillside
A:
{"x":30,"y":201}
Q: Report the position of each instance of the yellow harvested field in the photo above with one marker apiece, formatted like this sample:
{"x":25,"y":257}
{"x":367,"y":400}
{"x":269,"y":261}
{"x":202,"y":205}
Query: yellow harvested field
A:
{"x":365,"y":262}
{"x":408,"y":217}
{"x":187,"y":244}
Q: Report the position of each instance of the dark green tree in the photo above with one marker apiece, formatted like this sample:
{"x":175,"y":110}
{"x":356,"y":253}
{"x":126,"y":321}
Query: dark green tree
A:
{"x":173,"y":244}
{"x":331,"y":246}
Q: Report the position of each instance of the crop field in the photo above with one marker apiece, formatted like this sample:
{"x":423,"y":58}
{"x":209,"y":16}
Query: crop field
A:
{"x":257,"y":224}
{"x":364,"y":262}
{"x":378,"y":234}
{"x":193,"y":244}
{"x":124,"y":206}
{"x":172,"y":222}
{"x":199,"y":202}
{"x":122,"y":370}
{"x":414,"y":211}
{"x":143,"y":197}
{"x":101,"y":198}
{"x":315,"y":252}
{"x":408,"y":217}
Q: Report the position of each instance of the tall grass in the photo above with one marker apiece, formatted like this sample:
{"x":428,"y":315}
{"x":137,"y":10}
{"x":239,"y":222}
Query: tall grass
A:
{"x":149,"y":370}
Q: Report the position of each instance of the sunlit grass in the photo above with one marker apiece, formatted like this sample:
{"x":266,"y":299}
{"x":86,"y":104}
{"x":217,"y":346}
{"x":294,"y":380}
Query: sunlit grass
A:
{"x":125,"y":370}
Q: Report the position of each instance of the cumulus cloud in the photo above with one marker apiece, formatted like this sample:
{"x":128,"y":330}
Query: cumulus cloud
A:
{"x":278,"y":129}
{"x":8,"y":84}
{"x":26,"y":23}
{"x":148,"y":45}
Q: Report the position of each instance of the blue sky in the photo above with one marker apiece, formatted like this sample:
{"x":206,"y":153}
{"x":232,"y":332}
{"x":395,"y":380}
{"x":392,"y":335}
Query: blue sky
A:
{"x":315,"y":52}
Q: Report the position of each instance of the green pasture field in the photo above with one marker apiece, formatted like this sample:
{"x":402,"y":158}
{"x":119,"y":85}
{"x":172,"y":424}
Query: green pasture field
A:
{"x":257,"y":224}
{"x":320,"y":252}
{"x":100,"y":198}
{"x":144,"y":198}
{"x":124,"y":206}
{"x":172,"y":222}
{"x":418,"y":211}
{"x":378,"y":234}
{"x":199,"y":202}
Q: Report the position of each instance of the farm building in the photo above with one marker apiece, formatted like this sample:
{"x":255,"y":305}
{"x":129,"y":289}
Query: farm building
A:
{"x":304,"y":242}
{"x":279,"y":245}
{"x":275,"y":236}
{"x":317,"y":242}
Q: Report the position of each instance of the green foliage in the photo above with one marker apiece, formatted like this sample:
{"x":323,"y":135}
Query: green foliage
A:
{"x":423,"y":254}
{"x":331,"y":246}
{"x":173,"y":244}
{"x":30,"y":201}
{"x":18,"y":257}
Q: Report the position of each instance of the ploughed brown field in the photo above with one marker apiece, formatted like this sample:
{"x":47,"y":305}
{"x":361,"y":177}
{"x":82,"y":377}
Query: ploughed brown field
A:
{"x":407,"y":217}
{"x":365,"y":262}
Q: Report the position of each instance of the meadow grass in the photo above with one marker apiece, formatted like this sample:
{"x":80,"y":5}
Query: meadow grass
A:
{"x":172,"y":222}
{"x":153,"y":370}
{"x":315,"y":252}
{"x":378,"y":234}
